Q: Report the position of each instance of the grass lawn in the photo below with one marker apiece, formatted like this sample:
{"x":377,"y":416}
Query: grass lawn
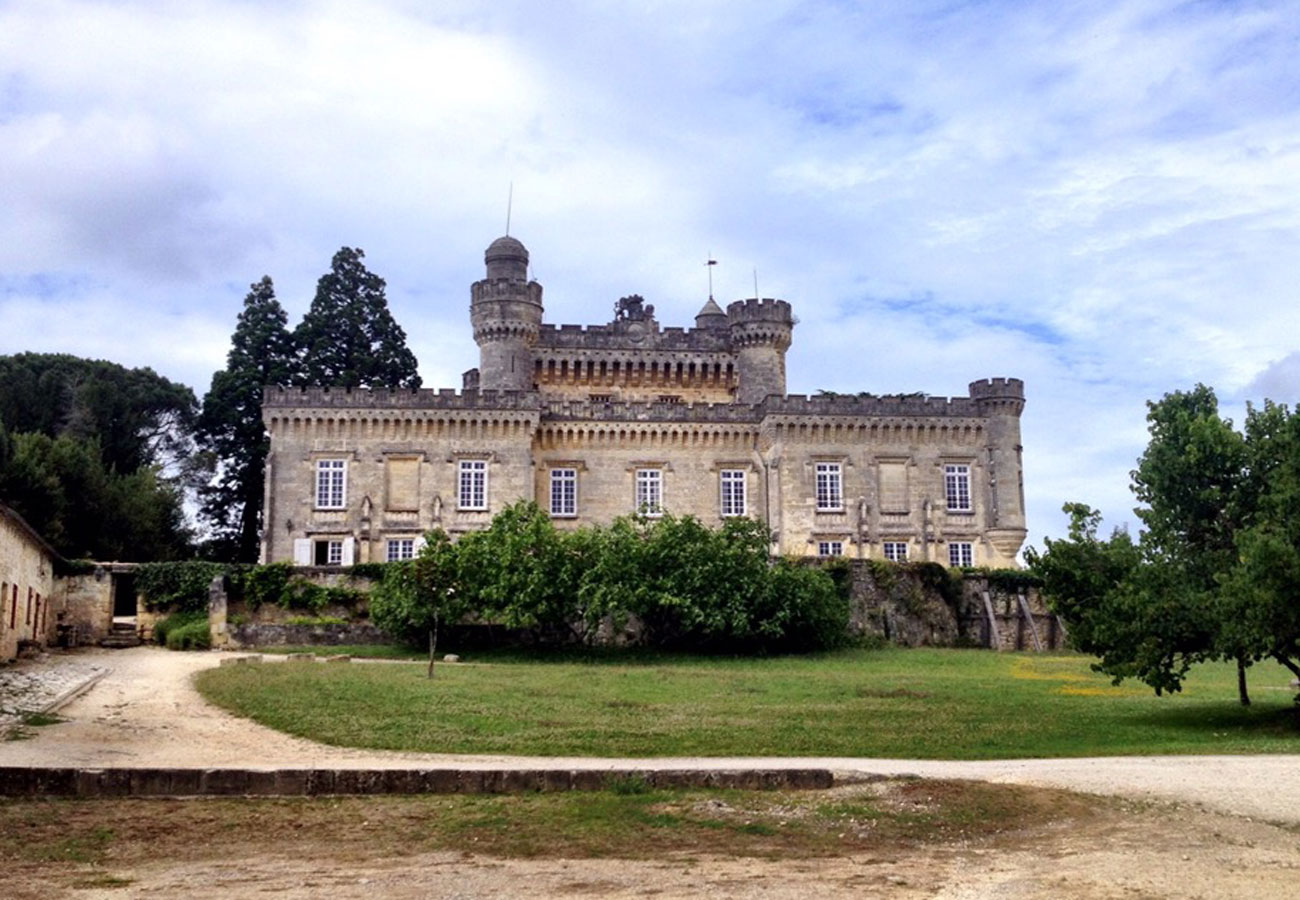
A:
{"x":932,"y":704}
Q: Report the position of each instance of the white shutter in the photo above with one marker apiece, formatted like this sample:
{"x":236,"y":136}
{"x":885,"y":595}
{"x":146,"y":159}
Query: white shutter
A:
{"x":418,"y":545}
{"x":349,"y":551}
{"x":302,"y":551}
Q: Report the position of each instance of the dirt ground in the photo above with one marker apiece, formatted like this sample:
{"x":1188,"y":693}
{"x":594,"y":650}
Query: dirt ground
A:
{"x":1191,"y":826}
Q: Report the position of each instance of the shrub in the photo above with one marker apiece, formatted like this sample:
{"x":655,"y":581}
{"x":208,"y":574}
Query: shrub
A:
{"x":177,"y":585}
{"x":266,"y":584}
{"x":194,"y":636}
{"x":168,"y":630}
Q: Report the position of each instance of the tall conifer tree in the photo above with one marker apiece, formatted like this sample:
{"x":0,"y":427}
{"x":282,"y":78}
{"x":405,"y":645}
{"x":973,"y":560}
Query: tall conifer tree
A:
{"x":348,"y":337}
{"x":230,"y":428}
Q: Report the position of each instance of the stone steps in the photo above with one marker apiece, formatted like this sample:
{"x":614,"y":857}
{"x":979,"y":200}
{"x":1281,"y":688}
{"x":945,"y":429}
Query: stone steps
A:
{"x":122,"y":635}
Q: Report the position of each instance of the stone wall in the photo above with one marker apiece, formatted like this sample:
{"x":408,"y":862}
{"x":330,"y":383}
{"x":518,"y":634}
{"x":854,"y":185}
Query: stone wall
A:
{"x":912,"y":607}
{"x":26,"y":585}
{"x":259,"y":634}
{"x":87,"y":604}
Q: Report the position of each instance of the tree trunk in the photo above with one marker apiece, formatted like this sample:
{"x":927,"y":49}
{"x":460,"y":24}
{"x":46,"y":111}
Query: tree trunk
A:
{"x":433,"y":644}
{"x":1241,"y":682}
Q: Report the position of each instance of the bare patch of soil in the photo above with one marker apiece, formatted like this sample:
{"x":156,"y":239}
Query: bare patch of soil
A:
{"x":1046,"y":844}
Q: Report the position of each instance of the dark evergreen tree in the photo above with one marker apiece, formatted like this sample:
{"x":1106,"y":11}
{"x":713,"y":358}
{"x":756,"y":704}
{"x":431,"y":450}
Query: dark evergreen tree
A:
{"x":97,"y":454}
{"x":230,"y":425}
{"x":348,"y":337}
{"x":137,"y":417}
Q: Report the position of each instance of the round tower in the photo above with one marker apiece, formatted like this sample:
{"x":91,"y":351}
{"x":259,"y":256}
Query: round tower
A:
{"x":1000,"y":402}
{"x":506,"y":311}
{"x":760,"y":335}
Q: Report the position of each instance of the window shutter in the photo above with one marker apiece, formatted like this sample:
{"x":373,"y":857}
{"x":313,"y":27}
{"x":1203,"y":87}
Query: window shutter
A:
{"x":349,"y":551}
{"x":302,"y":551}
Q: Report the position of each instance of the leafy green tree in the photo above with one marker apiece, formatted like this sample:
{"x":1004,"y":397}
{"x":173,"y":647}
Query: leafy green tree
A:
{"x":348,"y":337}
{"x":1260,"y":612}
{"x":230,"y":425}
{"x":62,"y":488}
{"x":417,"y":595}
{"x":524,"y":573}
{"x":1210,"y":576}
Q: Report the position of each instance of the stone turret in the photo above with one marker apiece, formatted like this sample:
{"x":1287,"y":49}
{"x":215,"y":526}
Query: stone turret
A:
{"x":760,"y":335}
{"x":506,"y":312}
{"x":1002,"y":400}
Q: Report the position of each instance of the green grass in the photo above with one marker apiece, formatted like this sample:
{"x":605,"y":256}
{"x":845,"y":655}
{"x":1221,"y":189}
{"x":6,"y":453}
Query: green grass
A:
{"x":933,"y":704}
{"x":359,"y":651}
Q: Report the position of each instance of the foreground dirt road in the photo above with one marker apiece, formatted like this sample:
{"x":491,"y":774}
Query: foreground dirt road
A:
{"x":1222,"y":826}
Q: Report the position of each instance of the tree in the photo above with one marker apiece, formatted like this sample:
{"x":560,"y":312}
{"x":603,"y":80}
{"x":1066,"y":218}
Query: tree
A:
{"x":137,"y":417}
{"x":348,"y":338}
{"x":417,"y":595}
{"x":1211,"y":576}
{"x":1261,"y":608}
{"x":62,"y":488}
{"x":230,"y":425}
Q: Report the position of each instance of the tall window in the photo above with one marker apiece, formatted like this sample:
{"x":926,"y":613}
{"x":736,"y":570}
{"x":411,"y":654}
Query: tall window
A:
{"x":896,"y":551}
{"x":650,"y":492}
{"x":400,"y":548}
{"x":956,"y":485}
{"x":961,"y":553}
{"x":564,"y":492}
{"x":733,"y":492}
{"x":830,"y":548}
{"x":473,"y":484}
{"x":830,"y":487}
{"x":331,"y":478}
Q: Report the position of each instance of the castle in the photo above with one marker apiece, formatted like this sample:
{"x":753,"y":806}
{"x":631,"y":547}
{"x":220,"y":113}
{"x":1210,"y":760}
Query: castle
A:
{"x":609,"y":420}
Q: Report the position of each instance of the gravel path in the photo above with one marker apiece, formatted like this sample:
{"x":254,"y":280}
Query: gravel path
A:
{"x":145,"y":712}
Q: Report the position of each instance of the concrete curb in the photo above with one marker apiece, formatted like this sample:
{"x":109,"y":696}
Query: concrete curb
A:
{"x":72,"y":693}
{"x":30,"y":781}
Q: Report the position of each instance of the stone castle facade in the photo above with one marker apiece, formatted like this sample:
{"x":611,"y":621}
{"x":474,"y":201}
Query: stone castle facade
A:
{"x":608,"y":420}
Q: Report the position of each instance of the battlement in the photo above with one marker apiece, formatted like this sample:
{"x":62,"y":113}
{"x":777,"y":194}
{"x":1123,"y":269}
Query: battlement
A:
{"x":605,"y":337}
{"x":634,"y":411}
{"x":998,"y":389}
{"x":869,"y":405}
{"x":765,"y":310}
{"x":278,"y":397}
{"x":505,"y":289}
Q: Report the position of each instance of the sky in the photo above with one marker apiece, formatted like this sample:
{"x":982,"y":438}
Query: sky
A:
{"x":1099,"y":198}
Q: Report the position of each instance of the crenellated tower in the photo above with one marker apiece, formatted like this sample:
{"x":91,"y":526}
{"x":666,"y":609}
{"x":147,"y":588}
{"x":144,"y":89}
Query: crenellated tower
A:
{"x":1001,"y":401}
{"x":506,"y":312}
{"x":760,"y":335}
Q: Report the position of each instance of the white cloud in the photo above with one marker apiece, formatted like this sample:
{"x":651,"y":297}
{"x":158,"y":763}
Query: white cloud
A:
{"x":1095,"y":197}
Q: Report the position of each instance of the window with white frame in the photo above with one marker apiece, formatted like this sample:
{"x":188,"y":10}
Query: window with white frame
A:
{"x":956,"y":486}
{"x":329,"y":553}
{"x":472,"y":489}
{"x":961,"y":553}
{"x":331,"y":483}
{"x":830,"y":548}
{"x":399,"y":549}
{"x":896,"y":551}
{"x":650,"y":491}
{"x":733,"y":492}
{"x":564,"y":492}
{"x":830,"y":487}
